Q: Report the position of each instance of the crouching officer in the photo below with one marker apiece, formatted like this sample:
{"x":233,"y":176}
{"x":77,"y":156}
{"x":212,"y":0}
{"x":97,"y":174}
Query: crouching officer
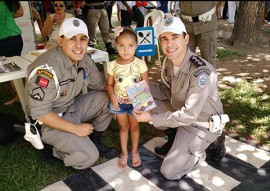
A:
{"x":68,"y":118}
{"x":188,"y":101}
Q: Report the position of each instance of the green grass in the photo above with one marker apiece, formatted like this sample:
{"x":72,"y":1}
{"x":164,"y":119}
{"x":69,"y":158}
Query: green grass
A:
{"x":267,"y":31}
{"x":221,"y":26}
{"x":249,"y":112}
{"x":224,"y":54}
{"x":22,"y":169}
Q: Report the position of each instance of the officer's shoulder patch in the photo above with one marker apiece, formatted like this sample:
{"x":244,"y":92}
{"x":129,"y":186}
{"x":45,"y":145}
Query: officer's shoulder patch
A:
{"x":202,"y":70}
{"x":202,"y":81}
{"x":43,"y":82}
{"x":89,"y":53}
{"x":197,"y":61}
{"x":46,"y":72}
{"x":37,"y":94}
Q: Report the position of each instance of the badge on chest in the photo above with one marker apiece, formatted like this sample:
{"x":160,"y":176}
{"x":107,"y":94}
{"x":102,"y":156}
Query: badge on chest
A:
{"x":85,"y":72}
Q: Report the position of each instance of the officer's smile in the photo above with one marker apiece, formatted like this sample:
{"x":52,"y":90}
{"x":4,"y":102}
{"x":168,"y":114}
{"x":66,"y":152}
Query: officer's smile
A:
{"x":78,"y":51}
{"x":171,"y":50}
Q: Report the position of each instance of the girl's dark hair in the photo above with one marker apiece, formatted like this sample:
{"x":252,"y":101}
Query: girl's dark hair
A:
{"x":13,"y":5}
{"x":129,"y":31}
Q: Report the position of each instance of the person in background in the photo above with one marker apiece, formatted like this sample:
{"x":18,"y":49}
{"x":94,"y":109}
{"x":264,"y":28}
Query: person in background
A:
{"x":163,"y":6}
{"x":97,"y":17}
{"x":187,"y":101}
{"x":201,"y":23}
{"x":144,"y":7}
{"x":70,"y":8}
{"x":174,"y":8}
{"x":11,"y":42}
{"x":118,"y":10}
{"x":109,"y":6}
{"x":36,"y":17}
{"x":232,"y":10}
{"x":267,"y":12}
{"x":126,"y":13}
{"x":71,"y":122}
{"x":52,"y":23}
{"x":123,"y":72}
{"x":78,"y":9}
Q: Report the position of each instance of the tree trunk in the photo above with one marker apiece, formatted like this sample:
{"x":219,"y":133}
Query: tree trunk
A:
{"x":248,"y":23}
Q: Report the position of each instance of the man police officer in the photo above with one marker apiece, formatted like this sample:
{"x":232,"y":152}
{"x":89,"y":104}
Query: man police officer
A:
{"x":200,"y":21}
{"x":188,"y":101}
{"x":67,"y":117}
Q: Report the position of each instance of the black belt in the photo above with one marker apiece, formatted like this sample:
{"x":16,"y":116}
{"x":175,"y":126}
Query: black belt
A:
{"x":195,"y":19}
{"x":96,"y":7}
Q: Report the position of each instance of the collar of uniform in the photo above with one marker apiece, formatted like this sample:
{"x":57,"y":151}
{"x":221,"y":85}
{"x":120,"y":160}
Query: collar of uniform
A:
{"x":185,"y":67}
{"x":66,"y":60}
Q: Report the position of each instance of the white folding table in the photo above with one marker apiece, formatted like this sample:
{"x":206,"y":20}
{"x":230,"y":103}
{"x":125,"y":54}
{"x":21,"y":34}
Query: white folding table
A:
{"x":17,"y":77}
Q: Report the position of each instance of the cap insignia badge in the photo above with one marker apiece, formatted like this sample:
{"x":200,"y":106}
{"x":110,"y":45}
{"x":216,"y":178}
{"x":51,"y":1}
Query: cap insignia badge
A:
{"x":76,"y":23}
{"x":168,"y":21}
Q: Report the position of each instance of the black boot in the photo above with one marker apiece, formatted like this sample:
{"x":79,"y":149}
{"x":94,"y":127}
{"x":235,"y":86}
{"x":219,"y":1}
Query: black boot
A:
{"x":109,"y":48}
{"x":47,"y":153}
{"x":217,"y":150}
{"x":164,"y":149}
{"x":107,"y":152}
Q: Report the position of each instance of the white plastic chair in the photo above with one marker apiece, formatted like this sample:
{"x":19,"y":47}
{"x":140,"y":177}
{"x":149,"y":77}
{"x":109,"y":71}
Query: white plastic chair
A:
{"x":156,"y":17}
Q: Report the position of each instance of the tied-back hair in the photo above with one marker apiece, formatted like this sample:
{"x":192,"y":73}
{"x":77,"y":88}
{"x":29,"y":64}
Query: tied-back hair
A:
{"x":125,"y":30}
{"x":13,"y":6}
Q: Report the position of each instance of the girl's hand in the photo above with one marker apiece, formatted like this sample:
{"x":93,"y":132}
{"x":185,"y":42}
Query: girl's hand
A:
{"x":115,"y":102}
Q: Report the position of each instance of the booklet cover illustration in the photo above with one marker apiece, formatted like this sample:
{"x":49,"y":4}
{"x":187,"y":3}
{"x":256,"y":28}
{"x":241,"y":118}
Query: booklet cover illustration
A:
{"x":141,"y":97}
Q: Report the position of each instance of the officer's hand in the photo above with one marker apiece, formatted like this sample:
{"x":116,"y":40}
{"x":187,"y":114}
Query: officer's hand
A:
{"x":84,"y":129}
{"x":142,"y":116}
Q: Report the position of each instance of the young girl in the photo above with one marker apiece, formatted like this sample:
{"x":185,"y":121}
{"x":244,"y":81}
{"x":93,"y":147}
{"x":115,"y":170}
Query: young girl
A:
{"x":122,"y":72}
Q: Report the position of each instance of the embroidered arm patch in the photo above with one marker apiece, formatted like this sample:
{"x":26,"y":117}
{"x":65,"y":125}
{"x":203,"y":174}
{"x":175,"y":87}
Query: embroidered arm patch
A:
{"x":45,"y":72}
{"x":202,"y":70}
{"x":197,"y":61}
{"x":43,"y":82}
{"x":37,"y":94}
{"x":202,"y":81}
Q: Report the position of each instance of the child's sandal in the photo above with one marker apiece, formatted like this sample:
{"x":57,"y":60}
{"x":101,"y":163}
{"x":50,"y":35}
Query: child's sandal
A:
{"x":122,"y":163}
{"x":136,"y":160}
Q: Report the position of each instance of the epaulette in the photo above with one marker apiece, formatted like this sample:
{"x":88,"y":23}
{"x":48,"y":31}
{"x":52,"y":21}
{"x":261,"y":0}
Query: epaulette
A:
{"x":89,"y":54}
{"x":197,"y":61}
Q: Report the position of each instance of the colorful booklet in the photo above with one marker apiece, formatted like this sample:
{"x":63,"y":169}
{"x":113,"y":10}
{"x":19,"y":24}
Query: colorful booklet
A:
{"x":9,"y":67}
{"x":140,"y":96}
